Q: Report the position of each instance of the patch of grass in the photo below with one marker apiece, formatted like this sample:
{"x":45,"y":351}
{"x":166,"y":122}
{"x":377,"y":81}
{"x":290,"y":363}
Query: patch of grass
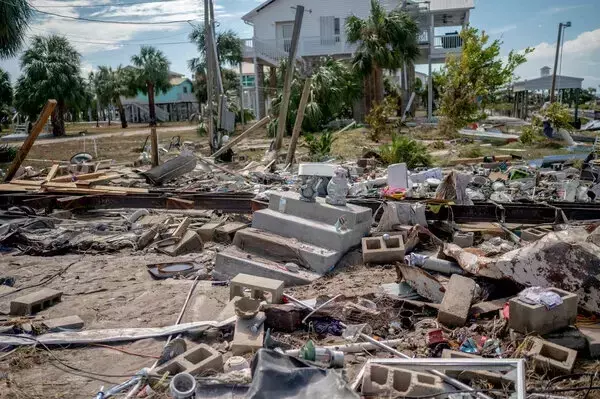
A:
{"x":352,"y":143}
{"x":438,"y":145}
{"x":470,"y":151}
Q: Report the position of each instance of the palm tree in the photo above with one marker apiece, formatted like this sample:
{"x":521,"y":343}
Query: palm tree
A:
{"x":385,"y":41}
{"x":109,"y":86}
{"x":151,"y":75}
{"x":14,"y":15}
{"x":6,"y":97}
{"x":51,"y":69}
{"x":229,"y":49}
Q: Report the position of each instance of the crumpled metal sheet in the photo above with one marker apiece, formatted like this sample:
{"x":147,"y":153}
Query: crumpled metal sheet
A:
{"x":569,"y":260}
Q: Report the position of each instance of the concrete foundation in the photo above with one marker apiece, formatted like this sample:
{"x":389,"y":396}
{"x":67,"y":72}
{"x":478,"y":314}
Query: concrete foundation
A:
{"x":34,"y":302}
{"x":378,"y":250}
{"x":258,"y":286}
{"x":454,"y":310}
{"x":199,"y":359}
{"x":552,"y":358}
{"x":527,"y":319}
{"x":385,"y":381}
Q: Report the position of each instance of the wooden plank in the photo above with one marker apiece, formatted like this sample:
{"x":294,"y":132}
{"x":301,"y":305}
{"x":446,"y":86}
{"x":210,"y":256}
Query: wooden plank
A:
{"x":99,"y":188}
{"x":298,"y":122}
{"x":102,"y":179}
{"x":52,"y":172}
{"x":289,"y":75}
{"x":14,"y":187}
{"x":182,"y":228}
{"x":83,"y":176}
{"x":28,"y":143}
{"x":242,"y":136}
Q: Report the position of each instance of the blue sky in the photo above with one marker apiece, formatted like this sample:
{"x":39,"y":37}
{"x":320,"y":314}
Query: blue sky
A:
{"x":518,"y":23}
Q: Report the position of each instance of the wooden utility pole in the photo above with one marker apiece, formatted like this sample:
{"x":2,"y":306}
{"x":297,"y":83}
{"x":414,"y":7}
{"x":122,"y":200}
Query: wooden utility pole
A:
{"x":552,"y":96}
{"x":289,"y":75}
{"x":28,"y":143}
{"x":299,"y":120}
{"x":209,"y":77}
{"x":154,"y":142}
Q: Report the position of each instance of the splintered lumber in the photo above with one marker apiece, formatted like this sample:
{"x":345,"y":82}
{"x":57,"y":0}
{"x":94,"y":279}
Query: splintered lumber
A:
{"x":83,"y":176}
{"x":52,"y":172}
{"x":242,"y":136}
{"x":101,"y":179}
{"x":28,"y":143}
{"x":72,"y":187}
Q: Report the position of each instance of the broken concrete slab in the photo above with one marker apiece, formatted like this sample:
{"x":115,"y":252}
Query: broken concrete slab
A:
{"x":191,"y":242}
{"x":569,"y":337}
{"x":197,"y":360}
{"x":592,"y":335}
{"x":207,"y":230}
{"x":229,"y":310}
{"x":552,"y":358}
{"x":463,"y":240}
{"x":424,"y":283}
{"x":285,"y":249}
{"x":380,"y":250}
{"x":64,"y":323}
{"x":246,"y":341}
{"x":230,"y":262}
{"x":258,"y":286}
{"x":527,"y":318}
{"x":225,"y":233}
{"x":34,"y":302}
{"x":459,"y":294}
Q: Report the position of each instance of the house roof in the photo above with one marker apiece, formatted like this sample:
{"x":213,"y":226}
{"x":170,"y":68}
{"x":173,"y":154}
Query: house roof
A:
{"x":249,"y":15}
{"x":545,"y":83}
{"x":175,"y":81}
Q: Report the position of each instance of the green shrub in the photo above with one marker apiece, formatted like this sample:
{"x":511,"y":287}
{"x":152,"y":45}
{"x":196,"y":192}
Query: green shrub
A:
{"x":202,"y":130}
{"x":319,"y":146}
{"x":529,"y":135}
{"x":7,"y":153}
{"x":378,"y":117}
{"x":404,"y":149}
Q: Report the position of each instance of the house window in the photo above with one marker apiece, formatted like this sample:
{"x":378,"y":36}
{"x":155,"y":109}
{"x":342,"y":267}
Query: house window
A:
{"x":184,"y":89}
{"x":330,"y":31}
{"x":284,"y":35}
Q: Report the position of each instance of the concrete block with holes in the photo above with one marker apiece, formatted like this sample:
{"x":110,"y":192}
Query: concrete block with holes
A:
{"x":463,"y":240}
{"x":551,"y":358}
{"x":257,"y":285}
{"x":385,"y":381}
{"x":495,"y":378}
{"x":532,"y":234}
{"x":379,"y":250}
{"x":34,"y":302}
{"x":197,"y":360}
{"x":527,"y":318}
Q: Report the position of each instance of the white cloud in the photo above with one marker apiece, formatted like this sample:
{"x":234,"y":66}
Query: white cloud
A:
{"x":503,"y":29}
{"x":560,"y":10}
{"x":581,"y":57}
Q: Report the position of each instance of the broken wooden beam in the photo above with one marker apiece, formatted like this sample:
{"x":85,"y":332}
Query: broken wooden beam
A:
{"x":242,"y":136}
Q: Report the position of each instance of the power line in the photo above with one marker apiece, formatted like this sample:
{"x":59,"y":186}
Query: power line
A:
{"x":105,"y":5}
{"x":146,"y":41}
{"x":111,"y":22}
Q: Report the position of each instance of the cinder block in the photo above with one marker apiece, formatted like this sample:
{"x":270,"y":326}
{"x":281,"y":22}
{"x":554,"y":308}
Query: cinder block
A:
{"x":64,"y":323}
{"x":258,"y":286}
{"x":463,"y":240}
{"x":199,"y":359}
{"x":593,"y":339}
{"x":526,"y":318}
{"x":224,"y":234}
{"x":532,"y":234}
{"x":549,"y":357}
{"x":498,"y":379}
{"x":244,"y":340}
{"x":454,"y":310}
{"x":34,"y":302}
{"x":378,"y":250}
{"x":385,"y":381}
{"x":207,"y":231}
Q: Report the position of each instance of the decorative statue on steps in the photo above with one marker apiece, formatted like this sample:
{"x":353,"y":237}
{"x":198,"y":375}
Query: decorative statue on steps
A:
{"x":310,"y":188}
{"x":337,"y":189}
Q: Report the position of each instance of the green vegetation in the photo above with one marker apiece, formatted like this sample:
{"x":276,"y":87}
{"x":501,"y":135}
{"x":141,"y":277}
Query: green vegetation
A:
{"x":404,"y":149}
{"x":14,"y":17}
{"x":319,"y":146}
{"x":476,"y":75}
{"x":385,"y":41}
{"x":110,"y":85}
{"x":150,"y":76}
{"x":7,"y":153}
{"x":470,"y":151}
{"x":6,"y":98}
{"x":378,"y":118}
{"x":51,"y":69}
{"x":334,"y":88}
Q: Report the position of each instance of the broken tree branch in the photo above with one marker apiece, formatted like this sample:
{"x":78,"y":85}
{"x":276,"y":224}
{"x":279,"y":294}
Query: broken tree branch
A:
{"x":299,"y":120}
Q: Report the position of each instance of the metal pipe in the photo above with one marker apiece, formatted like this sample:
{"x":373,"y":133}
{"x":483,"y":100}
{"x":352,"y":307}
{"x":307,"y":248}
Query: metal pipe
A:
{"x":349,"y":348}
{"x":443,"y":376}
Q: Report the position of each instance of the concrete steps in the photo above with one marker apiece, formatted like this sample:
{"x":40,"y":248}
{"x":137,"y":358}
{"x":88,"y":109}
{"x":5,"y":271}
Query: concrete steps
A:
{"x":310,"y":231}
{"x":282,"y":249}
{"x":232,"y":261}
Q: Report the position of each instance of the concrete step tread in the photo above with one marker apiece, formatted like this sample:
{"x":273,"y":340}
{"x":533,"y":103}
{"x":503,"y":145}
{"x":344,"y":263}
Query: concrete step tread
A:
{"x":289,"y":241}
{"x":300,"y":220}
{"x":258,"y":266}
